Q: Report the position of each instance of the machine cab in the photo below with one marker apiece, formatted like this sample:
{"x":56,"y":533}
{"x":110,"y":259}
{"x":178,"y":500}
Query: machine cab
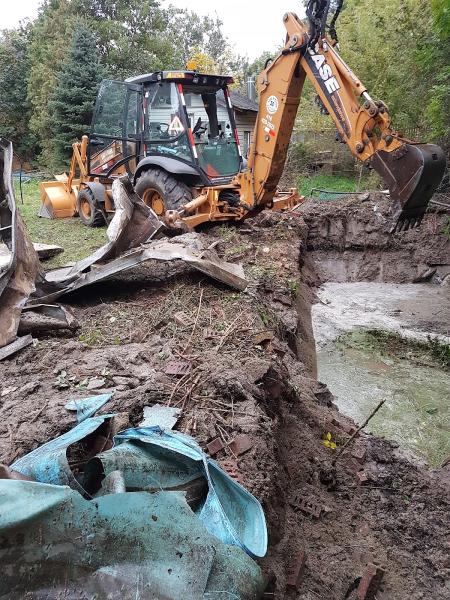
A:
{"x":163,"y":117}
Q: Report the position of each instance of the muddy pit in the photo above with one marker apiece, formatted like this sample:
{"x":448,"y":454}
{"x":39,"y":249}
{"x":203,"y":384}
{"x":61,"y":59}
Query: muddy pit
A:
{"x":384,"y":340}
{"x":252,"y":371}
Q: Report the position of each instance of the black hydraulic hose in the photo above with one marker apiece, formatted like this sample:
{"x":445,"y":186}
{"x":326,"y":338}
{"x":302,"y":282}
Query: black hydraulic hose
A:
{"x":337,"y":12}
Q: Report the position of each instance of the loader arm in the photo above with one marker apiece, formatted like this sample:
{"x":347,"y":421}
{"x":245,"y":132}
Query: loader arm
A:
{"x":412,"y":172}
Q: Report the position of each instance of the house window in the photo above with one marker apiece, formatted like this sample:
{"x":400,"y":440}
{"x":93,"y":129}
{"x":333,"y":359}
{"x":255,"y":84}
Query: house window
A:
{"x":247,"y":141}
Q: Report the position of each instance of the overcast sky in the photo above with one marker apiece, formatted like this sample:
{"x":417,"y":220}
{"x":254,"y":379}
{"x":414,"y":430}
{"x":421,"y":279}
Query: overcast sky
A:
{"x":252,"y":26}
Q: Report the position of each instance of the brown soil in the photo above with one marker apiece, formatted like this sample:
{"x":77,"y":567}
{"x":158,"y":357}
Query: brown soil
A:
{"x":252,"y":372}
{"x":350,"y":240}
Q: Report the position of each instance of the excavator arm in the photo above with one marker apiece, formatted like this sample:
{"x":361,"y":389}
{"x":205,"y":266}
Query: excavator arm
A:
{"x":412,"y":172}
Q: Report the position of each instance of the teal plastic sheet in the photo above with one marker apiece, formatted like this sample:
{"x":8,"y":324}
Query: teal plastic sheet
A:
{"x":132,"y":545}
{"x":145,"y":542}
{"x":150,"y":458}
{"x":87,"y":407}
{"x":229,"y":512}
{"x":48,"y":463}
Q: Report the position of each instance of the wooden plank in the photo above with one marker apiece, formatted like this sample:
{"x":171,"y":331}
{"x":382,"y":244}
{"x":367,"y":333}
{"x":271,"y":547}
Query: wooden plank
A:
{"x":15,"y":346}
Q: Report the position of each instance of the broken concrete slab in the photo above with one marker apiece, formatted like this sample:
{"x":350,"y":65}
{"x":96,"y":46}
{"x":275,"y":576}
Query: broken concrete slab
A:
{"x":96,"y":383}
{"x":165,"y":417}
{"x":46,"y":317}
{"x":46,"y":251}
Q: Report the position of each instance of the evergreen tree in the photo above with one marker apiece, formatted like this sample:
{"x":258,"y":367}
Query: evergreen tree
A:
{"x":14,"y":107}
{"x":70,"y":108}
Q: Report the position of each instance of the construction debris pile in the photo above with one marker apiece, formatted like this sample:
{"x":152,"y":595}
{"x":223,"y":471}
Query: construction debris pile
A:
{"x":207,"y":423}
{"x":27,"y":293}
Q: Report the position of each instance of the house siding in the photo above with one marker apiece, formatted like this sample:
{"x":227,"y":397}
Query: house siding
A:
{"x":244,"y":122}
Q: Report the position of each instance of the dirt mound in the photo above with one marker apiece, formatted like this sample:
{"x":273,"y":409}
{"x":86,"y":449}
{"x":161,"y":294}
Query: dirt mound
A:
{"x":349,"y":239}
{"x":242,"y":368}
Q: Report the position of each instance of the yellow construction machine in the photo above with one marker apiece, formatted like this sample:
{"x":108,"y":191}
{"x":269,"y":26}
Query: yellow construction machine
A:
{"x":174,"y":133}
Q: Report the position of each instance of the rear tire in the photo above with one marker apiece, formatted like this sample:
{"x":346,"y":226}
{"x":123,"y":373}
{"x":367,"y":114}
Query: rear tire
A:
{"x":162,"y":191}
{"x":88,"y":210}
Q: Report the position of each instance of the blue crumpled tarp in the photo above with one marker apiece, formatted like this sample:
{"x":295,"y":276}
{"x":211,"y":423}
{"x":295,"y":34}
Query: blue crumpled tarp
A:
{"x":87,"y":407}
{"x":229,"y":512}
{"x":163,"y":459}
{"x":149,"y":459}
{"x":48,"y":463}
{"x":132,"y":546}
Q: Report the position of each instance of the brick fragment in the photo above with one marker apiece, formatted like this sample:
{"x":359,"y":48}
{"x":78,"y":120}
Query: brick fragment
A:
{"x":215,"y":446}
{"x":359,"y":453}
{"x":295,"y":571}
{"x":230,"y":466}
{"x":362,"y":477}
{"x":370,"y":582}
{"x":181,"y":318}
{"x":177,"y":367}
{"x":341,"y":424}
{"x":240,"y":444}
{"x":354,"y":465}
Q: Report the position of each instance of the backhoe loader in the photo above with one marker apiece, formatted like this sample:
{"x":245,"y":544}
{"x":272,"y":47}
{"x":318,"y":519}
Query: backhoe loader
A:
{"x":174,"y":133}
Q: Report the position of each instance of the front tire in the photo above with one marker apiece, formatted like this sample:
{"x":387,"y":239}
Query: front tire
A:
{"x":162,"y":191}
{"x":88,"y":210}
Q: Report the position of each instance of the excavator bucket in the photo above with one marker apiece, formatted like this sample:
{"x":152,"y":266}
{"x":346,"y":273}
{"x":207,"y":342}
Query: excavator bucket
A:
{"x":57,"y":202}
{"x":412,"y":173}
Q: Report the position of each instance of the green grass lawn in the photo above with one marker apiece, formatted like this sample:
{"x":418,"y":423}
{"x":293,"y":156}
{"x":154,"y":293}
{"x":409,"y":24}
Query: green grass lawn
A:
{"x":334,"y":183}
{"x":77,"y":240}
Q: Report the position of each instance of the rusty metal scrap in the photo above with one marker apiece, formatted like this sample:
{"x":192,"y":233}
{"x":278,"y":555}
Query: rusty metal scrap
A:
{"x":134,"y":236}
{"x":133,"y":224}
{"x":231,"y":275}
{"x":21,"y":268}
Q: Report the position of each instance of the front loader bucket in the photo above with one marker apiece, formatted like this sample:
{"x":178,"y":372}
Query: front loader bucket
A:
{"x":57,"y":201}
{"x":412,"y":173}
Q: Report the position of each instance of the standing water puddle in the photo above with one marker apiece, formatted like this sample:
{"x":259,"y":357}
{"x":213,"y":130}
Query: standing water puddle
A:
{"x":360,"y":372}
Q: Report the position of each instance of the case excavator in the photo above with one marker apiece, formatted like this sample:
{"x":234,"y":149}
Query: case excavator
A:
{"x":174,"y":134}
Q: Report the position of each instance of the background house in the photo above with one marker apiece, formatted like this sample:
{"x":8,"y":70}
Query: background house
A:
{"x":245,"y":113}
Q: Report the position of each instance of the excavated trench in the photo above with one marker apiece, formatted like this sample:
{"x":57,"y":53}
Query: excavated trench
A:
{"x":252,"y":373}
{"x":378,"y":334}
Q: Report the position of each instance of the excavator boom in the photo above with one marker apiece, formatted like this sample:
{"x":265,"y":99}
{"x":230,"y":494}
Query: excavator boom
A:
{"x":412,"y":172}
